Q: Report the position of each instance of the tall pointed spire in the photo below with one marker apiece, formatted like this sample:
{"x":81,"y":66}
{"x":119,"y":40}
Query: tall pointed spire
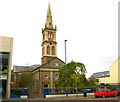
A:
{"x":49,"y":44}
{"x":49,"y":23}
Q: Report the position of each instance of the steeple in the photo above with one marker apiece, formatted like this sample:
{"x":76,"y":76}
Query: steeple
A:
{"x":49,"y":23}
{"x":49,"y":44}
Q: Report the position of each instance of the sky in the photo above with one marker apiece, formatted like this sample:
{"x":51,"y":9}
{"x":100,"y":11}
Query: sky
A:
{"x":90,"y":27}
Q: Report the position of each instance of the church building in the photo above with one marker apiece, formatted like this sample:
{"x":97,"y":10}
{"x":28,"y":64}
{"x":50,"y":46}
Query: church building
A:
{"x":47,"y":74}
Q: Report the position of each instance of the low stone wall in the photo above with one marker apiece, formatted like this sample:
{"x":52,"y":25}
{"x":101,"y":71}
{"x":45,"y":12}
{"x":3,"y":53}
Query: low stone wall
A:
{"x":64,"y":95}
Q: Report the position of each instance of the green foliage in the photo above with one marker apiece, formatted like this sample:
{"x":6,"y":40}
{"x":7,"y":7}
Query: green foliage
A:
{"x":75,"y":71}
{"x":75,"y":76}
{"x":25,"y":80}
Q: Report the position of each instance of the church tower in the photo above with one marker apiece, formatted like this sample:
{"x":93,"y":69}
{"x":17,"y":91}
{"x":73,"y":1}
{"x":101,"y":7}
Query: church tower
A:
{"x":49,"y":44}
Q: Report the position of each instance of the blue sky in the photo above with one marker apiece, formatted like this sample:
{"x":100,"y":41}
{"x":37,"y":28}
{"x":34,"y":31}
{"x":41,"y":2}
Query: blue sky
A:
{"x":90,"y":27}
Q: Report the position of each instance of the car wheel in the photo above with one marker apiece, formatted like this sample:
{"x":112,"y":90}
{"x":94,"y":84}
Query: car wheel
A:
{"x":114,"y":95}
{"x":103,"y":96}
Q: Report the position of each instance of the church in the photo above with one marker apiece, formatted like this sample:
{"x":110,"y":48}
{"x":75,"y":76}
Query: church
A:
{"x":45,"y":75}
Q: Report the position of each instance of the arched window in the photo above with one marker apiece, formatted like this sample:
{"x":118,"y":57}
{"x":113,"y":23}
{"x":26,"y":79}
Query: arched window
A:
{"x":52,"y":35}
{"x":53,"y":50}
{"x":48,"y":50}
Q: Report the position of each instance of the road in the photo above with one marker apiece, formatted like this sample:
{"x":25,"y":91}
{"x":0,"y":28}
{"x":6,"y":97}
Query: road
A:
{"x":89,"y":98}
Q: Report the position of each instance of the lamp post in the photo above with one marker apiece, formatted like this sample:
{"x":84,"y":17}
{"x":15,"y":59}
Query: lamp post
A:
{"x":66,"y":69}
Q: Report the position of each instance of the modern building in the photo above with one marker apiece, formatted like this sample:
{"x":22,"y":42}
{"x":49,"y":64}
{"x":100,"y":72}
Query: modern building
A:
{"x":6,"y":50}
{"x":109,"y":77}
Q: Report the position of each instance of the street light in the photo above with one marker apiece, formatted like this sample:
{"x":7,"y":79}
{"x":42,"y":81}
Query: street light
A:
{"x":65,"y":52}
{"x":66,"y":69}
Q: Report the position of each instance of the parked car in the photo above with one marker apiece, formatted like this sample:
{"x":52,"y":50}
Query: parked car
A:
{"x":105,"y":93}
{"x":117,"y":90}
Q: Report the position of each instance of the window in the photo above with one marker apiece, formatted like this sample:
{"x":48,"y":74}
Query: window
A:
{"x":97,"y":80}
{"x":56,"y":76}
{"x":48,"y":50}
{"x":53,"y":50}
{"x":50,"y":35}
{"x":45,"y":85}
{"x":4,"y":59}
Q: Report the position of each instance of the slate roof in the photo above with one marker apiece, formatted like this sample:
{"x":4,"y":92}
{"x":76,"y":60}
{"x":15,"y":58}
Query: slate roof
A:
{"x":51,"y":64}
{"x":25,"y":68}
{"x":100,"y":74}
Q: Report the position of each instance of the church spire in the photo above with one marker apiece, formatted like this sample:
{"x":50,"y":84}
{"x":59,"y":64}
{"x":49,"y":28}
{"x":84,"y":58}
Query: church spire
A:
{"x":49,"y":23}
{"x":49,"y":44}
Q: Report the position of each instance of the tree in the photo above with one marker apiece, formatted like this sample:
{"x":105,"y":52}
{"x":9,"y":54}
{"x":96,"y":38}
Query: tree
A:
{"x":75,"y":75}
{"x":25,"y":80}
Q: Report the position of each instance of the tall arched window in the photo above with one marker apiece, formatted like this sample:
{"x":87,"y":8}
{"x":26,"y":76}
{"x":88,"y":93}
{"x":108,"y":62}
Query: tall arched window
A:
{"x":53,"y":50}
{"x":52,"y":35}
{"x":48,"y":50}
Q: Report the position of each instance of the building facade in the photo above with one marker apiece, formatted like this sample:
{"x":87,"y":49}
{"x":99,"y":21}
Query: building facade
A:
{"x":45,"y":75}
{"x":49,"y":44}
{"x":6,"y":49}
{"x":18,"y":71}
{"x":109,"y":77}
